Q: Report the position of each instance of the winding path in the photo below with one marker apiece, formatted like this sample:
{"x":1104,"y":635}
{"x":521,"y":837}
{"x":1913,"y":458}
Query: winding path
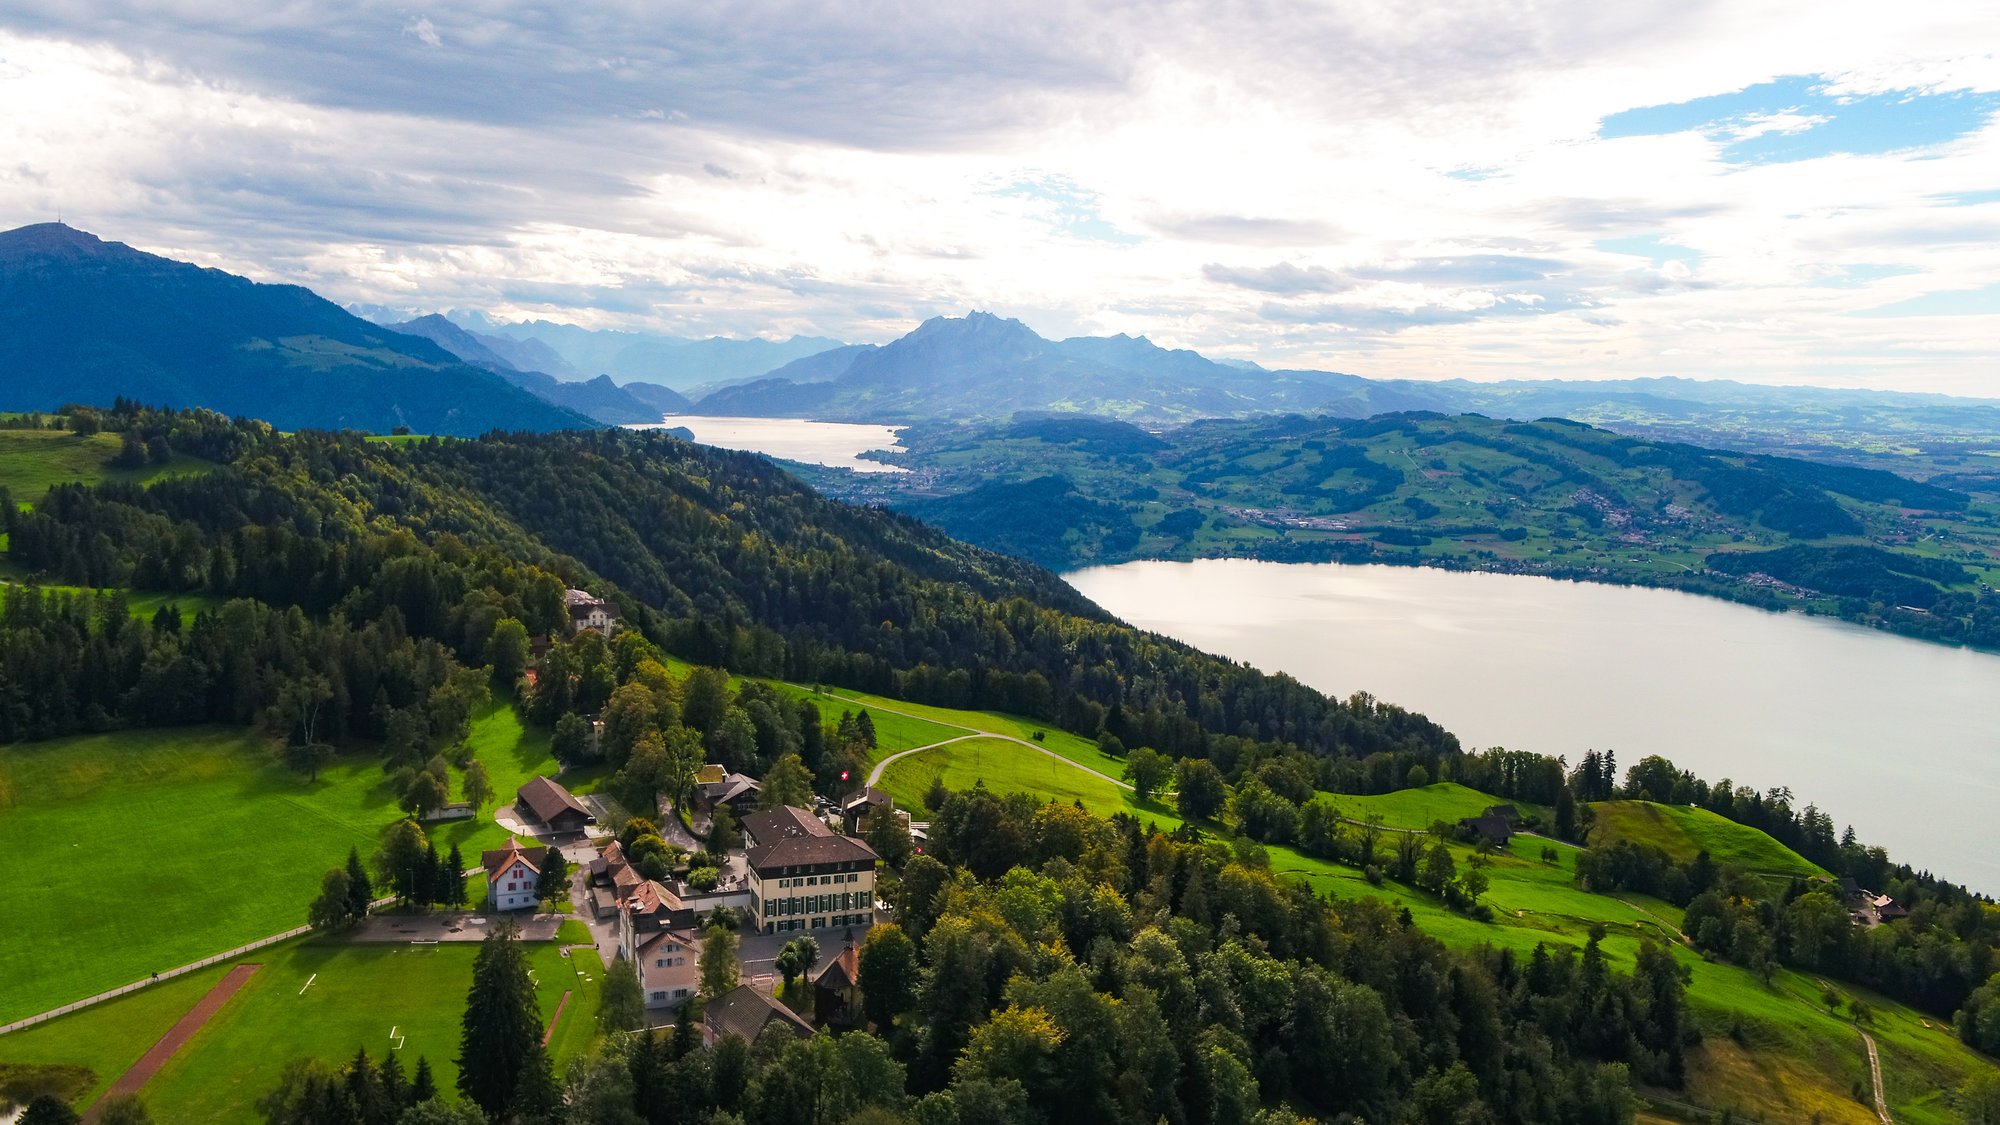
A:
{"x":1875,"y":1071}
{"x":875,"y":775}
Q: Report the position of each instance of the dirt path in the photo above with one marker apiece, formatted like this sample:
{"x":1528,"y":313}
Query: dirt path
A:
{"x":557,"y":1018}
{"x":176,"y":1037}
{"x":1875,"y":1070}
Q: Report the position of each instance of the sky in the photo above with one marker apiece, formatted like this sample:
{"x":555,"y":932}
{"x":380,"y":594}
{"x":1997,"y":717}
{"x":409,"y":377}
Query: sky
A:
{"x":1773,"y":192}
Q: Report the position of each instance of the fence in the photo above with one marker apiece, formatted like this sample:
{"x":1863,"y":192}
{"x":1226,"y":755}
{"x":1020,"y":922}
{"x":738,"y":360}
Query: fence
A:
{"x":136,"y":985}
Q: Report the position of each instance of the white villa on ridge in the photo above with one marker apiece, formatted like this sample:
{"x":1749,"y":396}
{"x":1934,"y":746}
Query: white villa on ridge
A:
{"x":511,"y":873}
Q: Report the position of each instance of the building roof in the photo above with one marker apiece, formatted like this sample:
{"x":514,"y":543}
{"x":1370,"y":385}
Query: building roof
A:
{"x":793,"y":837}
{"x":710,"y":773}
{"x":744,"y":1012}
{"x":499,"y":859}
{"x":574,"y":597}
{"x":650,"y":897}
{"x":843,"y":971}
{"x":547,"y":800}
{"x":1489,"y":827}
{"x":684,"y":938}
{"x":869,"y":798}
{"x":1508,"y":812}
{"x":729,"y":788}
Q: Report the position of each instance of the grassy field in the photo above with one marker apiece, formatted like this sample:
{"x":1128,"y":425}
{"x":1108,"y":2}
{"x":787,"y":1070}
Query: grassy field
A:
{"x":34,"y":461}
{"x":358,"y":993}
{"x":1683,"y":832}
{"x":150,"y":849}
{"x":1420,"y":808}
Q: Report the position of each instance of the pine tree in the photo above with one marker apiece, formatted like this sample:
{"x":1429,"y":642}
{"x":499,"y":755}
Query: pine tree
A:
{"x":502,"y":1028}
{"x":454,"y":882}
{"x":395,"y":1087}
{"x":424,"y":886}
{"x":536,"y":1099}
{"x":622,"y":1007}
{"x":360,"y":892}
{"x":423,"y":1086}
{"x":866,"y":726}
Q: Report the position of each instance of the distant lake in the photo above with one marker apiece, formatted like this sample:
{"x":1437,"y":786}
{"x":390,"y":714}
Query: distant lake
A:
{"x":1897,"y":737}
{"x":837,"y":444}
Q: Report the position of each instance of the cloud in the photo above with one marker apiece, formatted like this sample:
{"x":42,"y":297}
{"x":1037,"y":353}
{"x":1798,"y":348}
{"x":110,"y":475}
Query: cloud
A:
{"x":423,"y":31}
{"x":1478,"y":190}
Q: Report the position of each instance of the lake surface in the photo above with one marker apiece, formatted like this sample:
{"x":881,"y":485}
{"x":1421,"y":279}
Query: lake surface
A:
{"x":837,"y":444}
{"x":1897,"y":737}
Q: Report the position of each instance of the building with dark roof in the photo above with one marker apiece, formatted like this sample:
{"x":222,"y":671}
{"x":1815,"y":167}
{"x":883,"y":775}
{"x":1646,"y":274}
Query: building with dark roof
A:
{"x":588,"y":611}
{"x":1487,"y":829}
{"x":715,"y":787}
{"x":543,"y":800}
{"x":856,"y":810}
{"x":745,"y":1012}
{"x":837,"y":989}
{"x":805,"y":876}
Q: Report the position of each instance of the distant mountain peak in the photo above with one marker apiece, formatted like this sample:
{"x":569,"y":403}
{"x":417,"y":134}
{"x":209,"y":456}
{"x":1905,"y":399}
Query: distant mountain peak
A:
{"x":59,"y":240}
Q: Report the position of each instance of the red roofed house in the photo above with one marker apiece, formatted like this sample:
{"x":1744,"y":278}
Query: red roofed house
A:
{"x":511,"y":873}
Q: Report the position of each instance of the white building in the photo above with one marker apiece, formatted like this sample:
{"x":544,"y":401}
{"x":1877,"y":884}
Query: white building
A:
{"x":511,"y":874}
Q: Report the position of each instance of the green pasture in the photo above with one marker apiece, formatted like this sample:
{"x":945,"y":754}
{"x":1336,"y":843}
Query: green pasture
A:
{"x":34,"y":461}
{"x":1683,"y":832}
{"x":319,"y":997}
{"x":1420,"y":808}
{"x":149,"y":849}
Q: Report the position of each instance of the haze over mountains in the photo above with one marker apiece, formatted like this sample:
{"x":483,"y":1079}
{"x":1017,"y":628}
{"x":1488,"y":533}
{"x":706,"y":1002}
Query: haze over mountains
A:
{"x":89,"y":320}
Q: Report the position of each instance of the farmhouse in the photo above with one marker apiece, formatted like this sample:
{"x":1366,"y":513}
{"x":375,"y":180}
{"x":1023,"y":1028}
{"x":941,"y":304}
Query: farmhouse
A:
{"x":588,"y":611}
{"x":745,"y":1012}
{"x":544,"y":801}
{"x":803,"y":876}
{"x":1487,"y":828}
{"x":510,"y":875}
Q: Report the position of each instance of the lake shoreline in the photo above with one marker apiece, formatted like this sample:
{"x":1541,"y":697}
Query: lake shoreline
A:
{"x":1832,"y":709}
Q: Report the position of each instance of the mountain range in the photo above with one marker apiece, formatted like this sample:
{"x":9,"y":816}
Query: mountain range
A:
{"x":600,"y":398}
{"x":84,"y":320}
{"x":673,"y":361}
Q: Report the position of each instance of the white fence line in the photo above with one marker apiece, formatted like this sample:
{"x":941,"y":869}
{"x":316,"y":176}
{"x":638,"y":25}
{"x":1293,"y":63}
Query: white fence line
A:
{"x":43,"y":1017}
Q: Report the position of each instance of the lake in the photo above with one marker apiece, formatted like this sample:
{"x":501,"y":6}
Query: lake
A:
{"x":1895,"y":736}
{"x":837,"y":444}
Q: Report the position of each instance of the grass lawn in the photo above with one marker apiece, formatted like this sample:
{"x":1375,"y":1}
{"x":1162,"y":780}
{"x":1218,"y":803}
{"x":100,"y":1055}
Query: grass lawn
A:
{"x":215,"y":840}
{"x":34,"y":461}
{"x":358,"y":993}
{"x":1683,"y":832}
{"x":1420,"y":808}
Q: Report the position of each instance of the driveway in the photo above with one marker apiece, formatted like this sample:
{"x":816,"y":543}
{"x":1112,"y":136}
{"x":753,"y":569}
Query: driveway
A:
{"x":454,"y":926}
{"x":603,"y":934}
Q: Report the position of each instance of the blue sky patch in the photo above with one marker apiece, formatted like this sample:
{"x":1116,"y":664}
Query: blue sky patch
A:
{"x":1856,"y":276}
{"x":1076,"y":211}
{"x":1968,"y":198}
{"x":1860,"y":125}
{"x":1648,"y":246}
{"x":1983,"y":301}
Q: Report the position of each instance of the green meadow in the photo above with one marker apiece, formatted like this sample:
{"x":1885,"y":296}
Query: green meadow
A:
{"x":1683,"y":832}
{"x":318,"y":997}
{"x":34,"y":461}
{"x":150,"y":849}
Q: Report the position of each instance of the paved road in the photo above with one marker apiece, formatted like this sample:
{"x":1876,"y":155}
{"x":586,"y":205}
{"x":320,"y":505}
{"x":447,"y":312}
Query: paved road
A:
{"x":875,"y":775}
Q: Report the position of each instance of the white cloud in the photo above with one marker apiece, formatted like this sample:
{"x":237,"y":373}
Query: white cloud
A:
{"x":1351,"y":186}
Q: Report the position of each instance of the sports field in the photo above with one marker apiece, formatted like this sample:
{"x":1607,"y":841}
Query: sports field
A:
{"x":318,"y":997}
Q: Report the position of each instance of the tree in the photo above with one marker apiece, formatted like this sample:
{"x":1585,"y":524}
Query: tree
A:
{"x":334,"y":908}
{"x":360,"y":892}
{"x":507,"y":651}
{"x":629,"y":715}
{"x":451,"y":879}
{"x":796,"y":958}
{"x":866,"y":726}
{"x":720,"y":971}
{"x":889,"y":974}
{"x":295,"y":713}
{"x":787,"y":783}
{"x":889,"y":835}
{"x":724,"y":835}
{"x":47,"y":1109}
{"x":501,"y":1034}
{"x":571,"y":741}
{"x":1147,"y":769}
{"x":552,"y":881}
{"x":308,"y":757}
{"x":404,"y":850}
{"x":1979,"y":1101}
{"x":425,"y":795}
{"x":423,"y":1085}
{"x":622,"y":1006}
{"x":1202,"y":790}
{"x":437,"y":1111}
{"x":477,"y":788}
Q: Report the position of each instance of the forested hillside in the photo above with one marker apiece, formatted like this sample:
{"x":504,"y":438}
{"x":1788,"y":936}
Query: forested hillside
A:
{"x":1468,"y":492}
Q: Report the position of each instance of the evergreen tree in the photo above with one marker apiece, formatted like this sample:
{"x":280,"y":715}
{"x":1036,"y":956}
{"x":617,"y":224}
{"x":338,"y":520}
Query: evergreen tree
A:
{"x":866,"y":727}
{"x":360,"y":892}
{"x":423,"y":1085}
{"x":124,"y":1109}
{"x":536,"y":1099}
{"x":552,"y":881}
{"x":622,"y":1007}
{"x":453,"y":879}
{"x":501,"y":1034}
{"x":48,"y":1109}
{"x":331,"y":911}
